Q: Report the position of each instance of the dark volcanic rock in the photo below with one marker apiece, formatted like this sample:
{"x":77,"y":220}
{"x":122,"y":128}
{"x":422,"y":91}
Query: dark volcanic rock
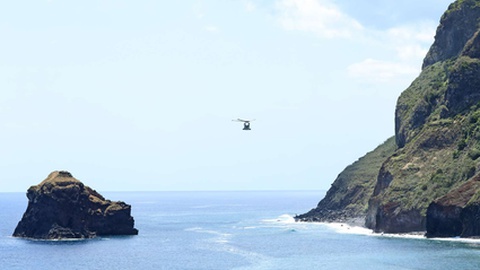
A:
{"x":389,"y":221}
{"x":443,"y":220}
{"x":470,"y":218}
{"x":452,"y":215}
{"x":63,"y":207}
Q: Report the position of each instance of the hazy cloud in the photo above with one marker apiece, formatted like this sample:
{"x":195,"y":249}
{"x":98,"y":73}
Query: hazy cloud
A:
{"x":406,"y":44}
{"x":376,"y":71}
{"x":411,"y":42}
{"x":320,"y":17}
{"x":250,"y":6}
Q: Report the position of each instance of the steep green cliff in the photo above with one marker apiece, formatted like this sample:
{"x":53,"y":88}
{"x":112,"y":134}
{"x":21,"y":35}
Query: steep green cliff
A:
{"x":437,"y":128}
{"x":347,"y":199}
{"x":437,"y":131}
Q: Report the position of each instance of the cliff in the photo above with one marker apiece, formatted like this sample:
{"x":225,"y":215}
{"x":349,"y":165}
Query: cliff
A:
{"x":436,"y":127}
{"x":456,"y":213}
{"x":63,"y":207}
{"x":457,"y":26}
{"x":437,"y":134}
{"x":347,"y":199}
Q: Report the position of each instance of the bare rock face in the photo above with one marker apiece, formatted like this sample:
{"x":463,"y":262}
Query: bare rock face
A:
{"x":443,"y":220}
{"x":457,"y":213}
{"x":453,"y":33}
{"x":470,"y":218}
{"x":63,"y":207}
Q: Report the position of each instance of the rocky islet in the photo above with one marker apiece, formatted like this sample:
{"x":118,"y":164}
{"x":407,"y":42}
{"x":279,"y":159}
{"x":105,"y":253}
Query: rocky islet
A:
{"x":62,"y":207}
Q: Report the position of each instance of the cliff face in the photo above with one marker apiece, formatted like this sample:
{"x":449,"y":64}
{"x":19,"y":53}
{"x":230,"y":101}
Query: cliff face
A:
{"x":456,"y":213}
{"x":437,"y":133}
{"x":436,"y":127}
{"x":63,"y":207}
{"x":347,"y":199}
{"x":453,"y":33}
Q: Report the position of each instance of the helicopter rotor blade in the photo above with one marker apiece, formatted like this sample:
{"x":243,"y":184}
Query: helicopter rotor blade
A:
{"x":243,"y":120}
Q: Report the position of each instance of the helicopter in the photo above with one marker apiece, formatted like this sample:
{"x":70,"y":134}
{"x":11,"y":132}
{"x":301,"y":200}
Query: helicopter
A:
{"x":246,"y":123}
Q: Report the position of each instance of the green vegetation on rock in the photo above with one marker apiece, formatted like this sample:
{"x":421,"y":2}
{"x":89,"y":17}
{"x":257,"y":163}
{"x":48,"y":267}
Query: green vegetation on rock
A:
{"x":437,"y":128}
{"x":437,"y":133}
{"x":459,"y":4}
{"x":348,"y":197}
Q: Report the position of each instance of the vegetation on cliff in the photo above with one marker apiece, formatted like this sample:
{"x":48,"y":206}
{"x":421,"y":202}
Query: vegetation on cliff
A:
{"x":347,"y":199}
{"x":438,"y":136}
{"x":437,"y":131}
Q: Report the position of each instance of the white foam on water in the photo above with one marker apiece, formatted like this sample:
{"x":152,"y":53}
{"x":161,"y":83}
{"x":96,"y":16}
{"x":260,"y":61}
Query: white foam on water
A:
{"x":59,"y":239}
{"x":421,"y":235}
{"x":249,"y":227}
{"x":283,"y":219}
{"x":342,"y":228}
{"x":219,"y":237}
{"x":413,"y":235}
{"x":473,"y":241}
{"x":288,"y":222}
{"x":348,"y":229}
{"x":257,"y":261}
{"x":221,"y":242}
{"x":194,"y":229}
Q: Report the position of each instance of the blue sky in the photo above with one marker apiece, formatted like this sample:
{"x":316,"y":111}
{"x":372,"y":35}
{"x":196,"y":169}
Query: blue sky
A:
{"x":139,"y":95}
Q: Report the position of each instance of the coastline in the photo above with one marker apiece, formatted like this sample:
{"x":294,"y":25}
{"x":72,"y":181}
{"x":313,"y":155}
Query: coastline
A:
{"x":361,"y":230}
{"x":353,"y":226}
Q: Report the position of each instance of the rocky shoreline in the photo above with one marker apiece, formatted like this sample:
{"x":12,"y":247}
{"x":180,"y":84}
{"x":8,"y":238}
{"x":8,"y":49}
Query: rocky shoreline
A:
{"x":332,"y":216}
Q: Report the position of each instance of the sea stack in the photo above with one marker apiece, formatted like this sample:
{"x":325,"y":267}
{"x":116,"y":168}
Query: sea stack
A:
{"x":62,"y":207}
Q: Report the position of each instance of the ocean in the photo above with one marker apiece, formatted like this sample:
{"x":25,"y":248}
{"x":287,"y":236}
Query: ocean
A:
{"x":228,"y":230}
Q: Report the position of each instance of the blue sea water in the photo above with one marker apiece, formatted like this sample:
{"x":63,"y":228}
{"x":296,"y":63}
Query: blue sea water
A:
{"x":227,"y":230}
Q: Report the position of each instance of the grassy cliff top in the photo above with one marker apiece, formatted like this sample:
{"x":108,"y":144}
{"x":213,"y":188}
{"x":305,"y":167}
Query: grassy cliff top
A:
{"x":59,"y":177}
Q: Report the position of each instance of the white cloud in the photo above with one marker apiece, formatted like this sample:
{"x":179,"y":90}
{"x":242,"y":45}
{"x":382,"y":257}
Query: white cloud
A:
{"x":318,"y":16}
{"x":376,"y":71}
{"x":411,"y":42}
{"x":402,"y":47}
{"x":421,"y":32}
{"x":411,"y":52}
{"x":250,"y":6}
